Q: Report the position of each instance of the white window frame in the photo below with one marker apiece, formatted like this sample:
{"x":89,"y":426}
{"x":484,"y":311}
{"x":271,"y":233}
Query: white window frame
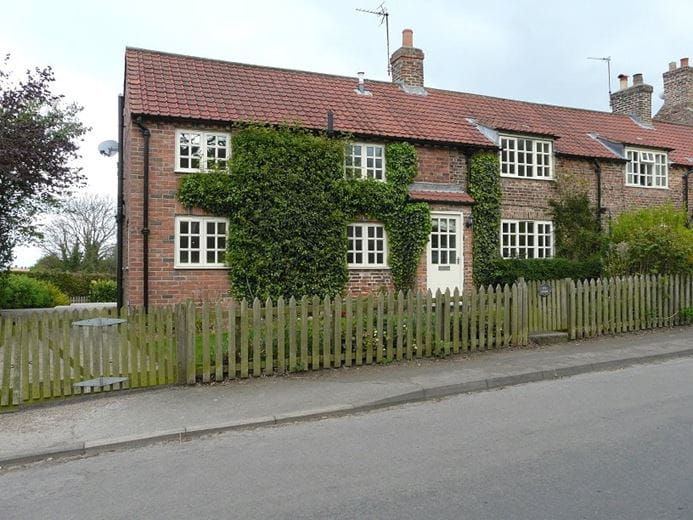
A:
{"x":364,"y":160}
{"x":639,"y":158}
{"x":203,"y":148}
{"x":203,"y":264}
{"x":366,"y":249}
{"x":547,"y":160}
{"x":537,"y":238}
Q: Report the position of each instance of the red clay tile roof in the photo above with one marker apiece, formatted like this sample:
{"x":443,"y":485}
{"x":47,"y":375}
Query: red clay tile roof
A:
{"x":161,"y":84}
{"x":441,"y":196}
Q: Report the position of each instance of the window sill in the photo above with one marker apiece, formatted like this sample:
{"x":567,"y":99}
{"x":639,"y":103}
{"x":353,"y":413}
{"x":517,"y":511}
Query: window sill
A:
{"x":368,"y":268}
{"x":647,"y":187}
{"x":364,"y":179}
{"x":505,"y":176}
{"x":200,"y":267}
{"x":522,"y":258}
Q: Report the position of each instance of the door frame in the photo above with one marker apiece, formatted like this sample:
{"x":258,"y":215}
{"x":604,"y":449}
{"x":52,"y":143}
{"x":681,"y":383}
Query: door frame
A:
{"x":460,"y":238}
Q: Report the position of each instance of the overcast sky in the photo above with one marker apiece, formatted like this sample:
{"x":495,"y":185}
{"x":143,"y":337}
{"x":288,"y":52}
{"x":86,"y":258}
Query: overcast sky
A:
{"x":529,"y":50}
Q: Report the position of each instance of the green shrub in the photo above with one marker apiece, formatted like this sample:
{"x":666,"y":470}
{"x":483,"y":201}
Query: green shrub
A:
{"x":73,"y":284}
{"x":508,"y":271}
{"x":59,"y":297}
{"x":23,"y":292}
{"x":103,"y":291}
{"x":650,"y":241}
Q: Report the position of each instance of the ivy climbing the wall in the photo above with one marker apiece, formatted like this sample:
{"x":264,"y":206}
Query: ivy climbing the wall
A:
{"x":484,"y":186}
{"x":289,"y":204}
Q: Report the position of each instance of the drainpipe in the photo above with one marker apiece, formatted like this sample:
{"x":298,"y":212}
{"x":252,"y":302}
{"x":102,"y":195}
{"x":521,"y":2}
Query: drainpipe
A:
{"x":598,"y":172}
{"x":685,"y":194}
{"x":120,"y":216}
{"x":145,"y":215}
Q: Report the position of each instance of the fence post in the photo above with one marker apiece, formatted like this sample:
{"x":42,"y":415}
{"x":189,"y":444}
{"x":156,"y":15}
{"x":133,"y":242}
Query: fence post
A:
{"x":570,"y":307}
{"x":182,"y":344}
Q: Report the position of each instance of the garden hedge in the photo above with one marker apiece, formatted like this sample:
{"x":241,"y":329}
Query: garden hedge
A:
{"x":509,"y":270}
{"x":19,"y":291}
{"x":72,"y":284}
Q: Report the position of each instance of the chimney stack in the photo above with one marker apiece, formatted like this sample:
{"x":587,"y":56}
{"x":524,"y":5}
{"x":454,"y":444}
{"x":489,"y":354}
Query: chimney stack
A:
{"x":407,"y":62}
{"x":634,"y":101}
{"x":678,"y":94}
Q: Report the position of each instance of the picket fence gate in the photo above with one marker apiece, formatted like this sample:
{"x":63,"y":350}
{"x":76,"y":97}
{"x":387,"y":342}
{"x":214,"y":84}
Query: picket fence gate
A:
{"x":42,"y":355}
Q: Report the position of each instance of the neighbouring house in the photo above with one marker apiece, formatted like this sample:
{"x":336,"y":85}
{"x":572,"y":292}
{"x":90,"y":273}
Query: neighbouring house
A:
{"x":177,"y":111}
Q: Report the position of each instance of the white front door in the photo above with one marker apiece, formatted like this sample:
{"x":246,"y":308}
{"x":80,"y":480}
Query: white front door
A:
{"x":444,"y":265}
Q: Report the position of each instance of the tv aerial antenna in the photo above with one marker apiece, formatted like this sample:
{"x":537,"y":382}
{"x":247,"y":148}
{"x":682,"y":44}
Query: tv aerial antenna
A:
{"x":606,"y":59}
{"x":384,"y":16}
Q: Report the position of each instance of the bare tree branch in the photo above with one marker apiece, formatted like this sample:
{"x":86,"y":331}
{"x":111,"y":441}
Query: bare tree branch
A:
{"x":82,"y":234}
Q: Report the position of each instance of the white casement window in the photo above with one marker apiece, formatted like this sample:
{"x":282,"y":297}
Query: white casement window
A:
{"x":646,"y":169}
{"x":526,"y":157}
{"x":200,"y":242}
{"x":365,"y":161}
{"x":526,"y":239}
{"x":199,"y":151}
{"x":367,"y":245}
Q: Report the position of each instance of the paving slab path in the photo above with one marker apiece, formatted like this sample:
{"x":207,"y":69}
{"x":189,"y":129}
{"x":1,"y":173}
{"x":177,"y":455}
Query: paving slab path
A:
{"x":126,"y":418}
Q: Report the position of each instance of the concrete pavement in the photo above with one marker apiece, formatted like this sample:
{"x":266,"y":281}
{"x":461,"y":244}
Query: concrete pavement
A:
{"x":605,"y":445}
{"x":139,"y":417}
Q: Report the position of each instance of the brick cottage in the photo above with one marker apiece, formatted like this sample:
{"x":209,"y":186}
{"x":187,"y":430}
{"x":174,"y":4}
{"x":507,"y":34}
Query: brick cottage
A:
{"x":177,"y":111}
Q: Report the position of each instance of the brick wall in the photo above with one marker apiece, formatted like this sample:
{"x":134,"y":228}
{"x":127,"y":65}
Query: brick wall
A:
{"x":529,"y":199}
{"x":441,"y":164}
{"x":169,"y":285}
{"x":166,"y":284}
{"x":522,"y":198}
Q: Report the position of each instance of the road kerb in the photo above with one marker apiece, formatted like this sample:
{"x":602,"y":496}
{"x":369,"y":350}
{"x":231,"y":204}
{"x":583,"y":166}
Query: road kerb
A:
{"x":196,"y":431}
{"x":425,"y":393}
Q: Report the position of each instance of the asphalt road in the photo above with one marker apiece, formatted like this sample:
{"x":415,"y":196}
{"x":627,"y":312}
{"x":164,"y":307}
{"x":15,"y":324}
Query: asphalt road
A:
{"x":608,"y":445}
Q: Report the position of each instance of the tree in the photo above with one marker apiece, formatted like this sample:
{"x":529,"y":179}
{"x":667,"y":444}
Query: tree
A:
{"x":80,"y":236}
{"x":39,"y":140}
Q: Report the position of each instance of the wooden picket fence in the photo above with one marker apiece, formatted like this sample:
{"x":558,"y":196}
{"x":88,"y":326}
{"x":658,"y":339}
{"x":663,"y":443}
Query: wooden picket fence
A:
{"x":616,"y":305}
{"x":43,"y":355}
{"x":243,"y":339}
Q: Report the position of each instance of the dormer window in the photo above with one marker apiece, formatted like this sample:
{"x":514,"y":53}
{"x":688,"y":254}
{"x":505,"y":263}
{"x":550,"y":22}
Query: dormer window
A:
{"x":646,"y":168}
{"x":365,"y":161}
{"x":199,"y":151}
{"x":526,"y":157}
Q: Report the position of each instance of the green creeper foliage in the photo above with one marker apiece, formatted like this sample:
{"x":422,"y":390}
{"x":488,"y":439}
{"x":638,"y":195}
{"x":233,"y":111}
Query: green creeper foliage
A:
{"x":576,"y":228}
{"x":289,"y":204}
{"x":484,"y":186}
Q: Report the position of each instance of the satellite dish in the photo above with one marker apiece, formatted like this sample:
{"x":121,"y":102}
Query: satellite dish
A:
{"x":108,"y":148}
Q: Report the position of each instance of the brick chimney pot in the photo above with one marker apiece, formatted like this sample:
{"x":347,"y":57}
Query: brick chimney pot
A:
{"x":407,"y":38}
